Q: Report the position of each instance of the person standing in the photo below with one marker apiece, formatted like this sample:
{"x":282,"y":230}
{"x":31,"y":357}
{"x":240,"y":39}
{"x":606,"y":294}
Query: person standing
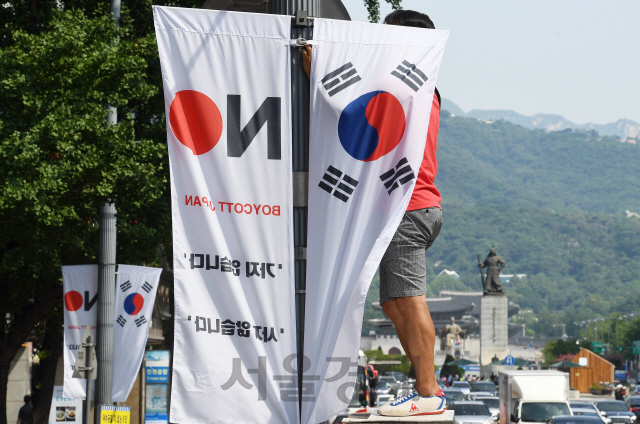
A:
{"x":24,"y":415}
{"x":403,"y":286}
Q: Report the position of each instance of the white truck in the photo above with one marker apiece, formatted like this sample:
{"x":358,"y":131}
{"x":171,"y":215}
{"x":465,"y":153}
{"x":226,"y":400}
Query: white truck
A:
{"x":533,"y":396}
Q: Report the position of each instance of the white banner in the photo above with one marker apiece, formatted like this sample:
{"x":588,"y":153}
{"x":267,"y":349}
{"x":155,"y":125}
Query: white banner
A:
{"x":228,"y":100}
{"x":64,"y":409}
{"x":80,"y":287}
{"x":135,"y":296}
{"x":372,"y":88}
{"x":136,"y":288}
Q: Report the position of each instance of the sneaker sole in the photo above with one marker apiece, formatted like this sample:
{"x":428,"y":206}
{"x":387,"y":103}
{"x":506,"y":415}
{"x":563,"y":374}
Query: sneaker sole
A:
{"x":437,"y":412}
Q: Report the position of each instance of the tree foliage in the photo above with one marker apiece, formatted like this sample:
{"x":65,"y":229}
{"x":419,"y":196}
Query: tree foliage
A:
{"x":536,"y":197}
{"x":373,"y":8}
{"x":59,"y":160}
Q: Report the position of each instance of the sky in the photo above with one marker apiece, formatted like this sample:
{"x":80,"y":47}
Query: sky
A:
{"x":578,"y":59}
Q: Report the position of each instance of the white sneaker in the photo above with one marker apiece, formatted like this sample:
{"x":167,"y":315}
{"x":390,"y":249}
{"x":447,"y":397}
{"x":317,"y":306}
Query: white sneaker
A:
{"x":414,"y":404}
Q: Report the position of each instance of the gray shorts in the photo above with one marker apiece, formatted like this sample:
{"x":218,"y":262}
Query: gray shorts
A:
{"x":403,"y":269}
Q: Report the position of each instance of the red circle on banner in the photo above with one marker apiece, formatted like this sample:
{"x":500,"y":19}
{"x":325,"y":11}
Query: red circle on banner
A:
{"x":73,"y":300}
{"x":195,"y":121}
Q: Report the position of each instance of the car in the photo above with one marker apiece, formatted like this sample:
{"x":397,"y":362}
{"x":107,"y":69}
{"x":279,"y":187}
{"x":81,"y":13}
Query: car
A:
{"x":617,"y":411}
{"x":590,"y":413}
{"x":464,"y":386}
{"x":453,"y":395}
{"x":383,"y":388}
{"x":399,"y":376}
{"x":541,"y":412}
{"x":471,"y":412}
{"x":583,"y":405}
{"x":492,"y":402}
{"x":486,"y":387}
{"x":383,"y":398}
{"x":575,"y":419}
{"x":633,"y":402}
{"x":391,"y":381}
{"x":587,"y":409}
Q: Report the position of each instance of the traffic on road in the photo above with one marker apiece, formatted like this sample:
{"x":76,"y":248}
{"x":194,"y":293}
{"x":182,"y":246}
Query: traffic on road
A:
{"x":527,"y":396}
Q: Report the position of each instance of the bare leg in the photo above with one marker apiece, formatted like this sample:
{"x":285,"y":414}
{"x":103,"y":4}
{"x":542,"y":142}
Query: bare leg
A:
{"x":391,"y":309}
{"x":417,"y":335}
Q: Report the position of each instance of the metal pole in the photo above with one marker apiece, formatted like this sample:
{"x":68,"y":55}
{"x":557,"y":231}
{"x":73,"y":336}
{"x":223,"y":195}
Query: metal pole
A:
{"x":617,"y":344}
{"x":87,"y":373}
{"x":106,"y":295}
{"x":300,"y":153}
{"x":106,"y":277}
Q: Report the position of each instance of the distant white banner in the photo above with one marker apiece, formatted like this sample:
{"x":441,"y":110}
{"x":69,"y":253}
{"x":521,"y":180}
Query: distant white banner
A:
{"x":372,"y":88}
{"x":227,"y":94}
{"x":80,"y":288}
{"x":135,"y":296}
{"x":136,"y":288}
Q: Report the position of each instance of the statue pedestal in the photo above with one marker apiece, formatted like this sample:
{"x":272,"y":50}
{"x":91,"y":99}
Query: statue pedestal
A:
{"x":494,"y":332}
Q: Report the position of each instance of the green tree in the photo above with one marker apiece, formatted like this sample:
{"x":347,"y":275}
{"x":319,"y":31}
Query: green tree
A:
{"x":447,"y":370}
{"x":373,"y":8}
{"x":554,"y":348}
{"x":59,"y":161}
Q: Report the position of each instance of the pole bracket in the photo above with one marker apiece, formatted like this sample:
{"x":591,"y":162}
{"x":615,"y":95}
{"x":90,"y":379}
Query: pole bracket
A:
{"x":301,"y":19}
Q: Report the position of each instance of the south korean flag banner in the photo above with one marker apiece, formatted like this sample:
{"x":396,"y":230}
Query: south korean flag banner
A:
{"x":372,"y":88}
{"x":227,"y":90}
{"x":136,"y":288}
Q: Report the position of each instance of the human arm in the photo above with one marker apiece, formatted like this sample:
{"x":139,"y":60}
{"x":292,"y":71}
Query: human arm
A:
{"x":306,"y":60}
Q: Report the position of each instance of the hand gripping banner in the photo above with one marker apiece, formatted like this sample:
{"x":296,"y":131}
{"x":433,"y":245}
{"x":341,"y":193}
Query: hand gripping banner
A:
{"x":372,"y":88}
{"x":228,"y":105}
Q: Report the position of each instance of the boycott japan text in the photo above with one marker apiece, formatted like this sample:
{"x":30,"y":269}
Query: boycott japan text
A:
{"x":239,"y":208}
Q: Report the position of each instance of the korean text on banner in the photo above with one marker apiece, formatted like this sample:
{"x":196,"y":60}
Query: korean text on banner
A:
{"x":80,"y":288}
{"x":227,"y":94}
{"x":136,"y":288}
{"x":372,"y":88}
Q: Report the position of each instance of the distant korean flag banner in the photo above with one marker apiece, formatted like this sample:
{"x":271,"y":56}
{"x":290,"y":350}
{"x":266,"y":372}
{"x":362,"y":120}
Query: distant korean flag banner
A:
{"x":372,"y":88}
{"x":80,"y":288}
{"x":136,"y":288}
{"x":226,"y":79}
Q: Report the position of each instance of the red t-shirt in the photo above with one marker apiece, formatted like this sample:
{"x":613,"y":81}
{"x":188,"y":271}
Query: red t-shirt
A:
{"x":425,"y":194}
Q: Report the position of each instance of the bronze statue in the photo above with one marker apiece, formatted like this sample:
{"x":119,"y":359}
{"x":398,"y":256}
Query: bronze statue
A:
{"x":494,"y":264}
{"x":451,"y":332}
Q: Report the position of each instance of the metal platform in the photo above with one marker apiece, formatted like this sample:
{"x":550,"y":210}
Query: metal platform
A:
{"x":447,"y":417}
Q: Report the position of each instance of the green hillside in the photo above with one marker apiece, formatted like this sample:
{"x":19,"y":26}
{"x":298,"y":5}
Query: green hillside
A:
{"x":552,"y":204}
{"x":502,"y":163}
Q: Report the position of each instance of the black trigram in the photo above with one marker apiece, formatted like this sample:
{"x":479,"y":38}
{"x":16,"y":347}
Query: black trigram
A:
{"x":410,"y":75}
{"x":121,"y":320}
{"x":402,"y":174}
{"x":147,"y":287}
{"x":338,"y":182}
{"x":140,"y":321}
{"x":125,"y":286}
{"x":336,"y":81}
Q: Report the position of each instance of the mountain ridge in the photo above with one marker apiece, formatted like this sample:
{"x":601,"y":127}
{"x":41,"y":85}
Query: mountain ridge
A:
{"x":626,"y":129}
